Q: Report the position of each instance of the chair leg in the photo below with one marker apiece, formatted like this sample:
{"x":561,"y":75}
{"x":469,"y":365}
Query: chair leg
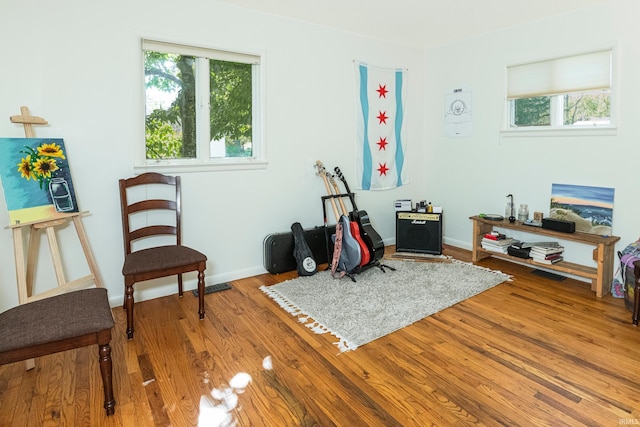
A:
{"x":636,"y":302}
{"x":201,"y":293}
{"x":128,"y":302}
{"x":180,"y":285}
{"x":104,"y":354}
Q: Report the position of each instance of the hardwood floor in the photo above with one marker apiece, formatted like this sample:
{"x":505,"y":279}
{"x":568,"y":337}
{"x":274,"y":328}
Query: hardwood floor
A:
{"x":529,"y":352}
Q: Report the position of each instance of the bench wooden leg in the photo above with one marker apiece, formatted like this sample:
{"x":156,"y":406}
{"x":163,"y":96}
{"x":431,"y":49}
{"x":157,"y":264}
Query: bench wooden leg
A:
{"x":636,"y":303}
{"x":104,"y":354}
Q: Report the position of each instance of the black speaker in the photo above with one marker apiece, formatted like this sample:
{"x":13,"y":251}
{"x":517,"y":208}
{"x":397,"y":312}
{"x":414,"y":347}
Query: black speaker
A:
{"x":419,"y":232}
{"x":559,"y":225}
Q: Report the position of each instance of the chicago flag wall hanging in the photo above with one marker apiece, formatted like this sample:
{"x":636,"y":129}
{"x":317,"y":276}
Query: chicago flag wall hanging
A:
{"x":381,"y":146}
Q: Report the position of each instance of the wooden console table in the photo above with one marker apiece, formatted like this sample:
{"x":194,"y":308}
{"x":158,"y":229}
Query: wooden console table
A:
{"x":603,"y":252}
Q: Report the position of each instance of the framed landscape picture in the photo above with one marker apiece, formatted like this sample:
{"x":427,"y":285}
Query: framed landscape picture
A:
{"x":36,"y":179}
{"x":591,"y":208}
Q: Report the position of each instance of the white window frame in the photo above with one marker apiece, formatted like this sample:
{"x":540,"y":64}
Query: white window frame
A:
{"x":203,"y":160}
{"x":556,"y":103}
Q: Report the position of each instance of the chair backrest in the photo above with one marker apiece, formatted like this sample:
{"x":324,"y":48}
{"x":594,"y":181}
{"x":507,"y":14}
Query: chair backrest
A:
{"x":141,"y":197}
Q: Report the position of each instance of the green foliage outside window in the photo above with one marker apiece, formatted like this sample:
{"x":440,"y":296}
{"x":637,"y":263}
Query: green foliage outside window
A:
{"x":577,"y":109}
{"x":585,"y":107}
{"x":533,"y":111}
{"x":171,"y":131}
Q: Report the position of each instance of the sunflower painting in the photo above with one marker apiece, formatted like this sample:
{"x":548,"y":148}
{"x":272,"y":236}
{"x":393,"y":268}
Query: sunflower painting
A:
{"x":36,"y":179}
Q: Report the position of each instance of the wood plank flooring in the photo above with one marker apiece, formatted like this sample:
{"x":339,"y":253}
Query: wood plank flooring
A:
{"x":529,"y":352}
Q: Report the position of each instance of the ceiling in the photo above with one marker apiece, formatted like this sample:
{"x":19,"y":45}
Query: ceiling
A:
{"x":421,"y":23}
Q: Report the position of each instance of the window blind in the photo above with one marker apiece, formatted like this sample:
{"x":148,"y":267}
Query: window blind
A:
{"x":199,"y":52}
{"x":578,"y":73}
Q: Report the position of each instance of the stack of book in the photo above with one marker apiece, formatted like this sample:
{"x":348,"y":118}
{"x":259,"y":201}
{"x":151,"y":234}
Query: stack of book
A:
{"x":520,"y":250}
{"x":497,"y":242}
{"x":548,"y":254}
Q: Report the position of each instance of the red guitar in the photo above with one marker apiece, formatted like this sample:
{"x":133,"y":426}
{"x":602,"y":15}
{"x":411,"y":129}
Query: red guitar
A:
{"x":350,"y":255}
{"x":354,"y":226}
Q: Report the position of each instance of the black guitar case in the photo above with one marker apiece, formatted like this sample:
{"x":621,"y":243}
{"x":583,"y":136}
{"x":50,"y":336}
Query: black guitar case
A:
{"x":278,"y":248}
{"x":305,"y":262}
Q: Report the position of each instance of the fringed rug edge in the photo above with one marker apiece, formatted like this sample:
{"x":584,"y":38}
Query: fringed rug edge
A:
{"x":343,"y":344}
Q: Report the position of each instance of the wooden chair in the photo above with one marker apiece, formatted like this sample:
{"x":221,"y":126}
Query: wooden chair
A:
{"x":60,"y":323}
{"x":155,"y":216}
{"x":636,"y":294}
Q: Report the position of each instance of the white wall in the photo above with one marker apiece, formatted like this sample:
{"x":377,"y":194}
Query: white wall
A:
{"x":78,"y":65}
{"x":474,"y":174}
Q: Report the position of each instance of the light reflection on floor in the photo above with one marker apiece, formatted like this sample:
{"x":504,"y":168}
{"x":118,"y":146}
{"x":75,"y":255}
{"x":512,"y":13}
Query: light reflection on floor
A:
{"x":216,"y":409}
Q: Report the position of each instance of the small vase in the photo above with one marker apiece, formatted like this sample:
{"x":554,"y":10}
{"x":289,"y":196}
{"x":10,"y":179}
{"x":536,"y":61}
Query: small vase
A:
{"x":523,"y":213}
{"x":60,"y":194}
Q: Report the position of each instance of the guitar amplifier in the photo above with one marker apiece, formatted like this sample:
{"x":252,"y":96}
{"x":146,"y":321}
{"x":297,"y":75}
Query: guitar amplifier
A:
{"x":419,"y":232}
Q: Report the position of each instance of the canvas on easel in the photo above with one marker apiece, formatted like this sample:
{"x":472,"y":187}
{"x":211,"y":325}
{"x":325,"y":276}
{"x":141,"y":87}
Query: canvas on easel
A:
{"x":36,"y":179}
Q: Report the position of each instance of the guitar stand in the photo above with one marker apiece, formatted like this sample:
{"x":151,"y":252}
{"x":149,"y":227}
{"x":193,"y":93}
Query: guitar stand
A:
{"x":381,"y":266}
{"x":351,"y":274}
{"x":364,"y":268}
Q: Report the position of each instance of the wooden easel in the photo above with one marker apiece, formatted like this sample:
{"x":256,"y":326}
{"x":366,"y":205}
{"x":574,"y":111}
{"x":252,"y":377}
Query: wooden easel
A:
{"x":25,"y":258}
{"x":28,"y":121}
{"x":25,"y":267}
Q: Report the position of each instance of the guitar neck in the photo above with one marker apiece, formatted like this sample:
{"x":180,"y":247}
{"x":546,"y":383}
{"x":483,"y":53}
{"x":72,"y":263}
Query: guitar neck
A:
{"x":323,"y":174}
{"x":337,"y":191}
{"x":346,"y":187}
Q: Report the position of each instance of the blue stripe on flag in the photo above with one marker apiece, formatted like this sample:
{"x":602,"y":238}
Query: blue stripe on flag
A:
{"x":398,"y":127}
{"x":366,"y":154}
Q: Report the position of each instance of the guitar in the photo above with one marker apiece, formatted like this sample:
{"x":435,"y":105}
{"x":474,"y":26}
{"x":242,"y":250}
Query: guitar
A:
{"x":369,"y":235}
{"x":306,"y":265}
{"x":350,"y":255}
{"x":354,"y":226}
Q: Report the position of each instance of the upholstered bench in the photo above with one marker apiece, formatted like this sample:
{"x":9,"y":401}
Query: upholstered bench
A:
{"x":63,"y":322}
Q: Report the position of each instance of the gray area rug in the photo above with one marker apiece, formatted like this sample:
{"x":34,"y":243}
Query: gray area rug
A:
{"x":379,"y":303}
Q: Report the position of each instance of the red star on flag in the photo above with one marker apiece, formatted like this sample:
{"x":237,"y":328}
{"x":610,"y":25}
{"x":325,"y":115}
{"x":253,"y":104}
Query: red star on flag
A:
{"x":382,"y":91}
{"x":382,"y":143}
{"x":382,"y":117}
{"x":383,"y":169}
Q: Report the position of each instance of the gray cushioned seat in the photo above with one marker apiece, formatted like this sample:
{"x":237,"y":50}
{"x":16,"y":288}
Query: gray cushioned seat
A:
{"x":59,"y":317}
{"x":158,"y":258}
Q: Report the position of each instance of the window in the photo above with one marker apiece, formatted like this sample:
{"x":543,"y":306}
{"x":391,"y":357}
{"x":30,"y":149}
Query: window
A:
{"x":201,"y":106}
{"x":563,"y":93}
